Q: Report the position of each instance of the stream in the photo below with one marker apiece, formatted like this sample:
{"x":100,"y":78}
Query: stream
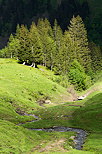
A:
{"x":79,"y":139}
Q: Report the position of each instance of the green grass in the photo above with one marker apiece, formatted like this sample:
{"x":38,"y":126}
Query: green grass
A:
{"x":16,"y":139}
{"x":59,"y":115}
{"x":20,"y":89}
{"x":88,"y":117}
{"x":7,"y":112}
{"x":22,"y":86}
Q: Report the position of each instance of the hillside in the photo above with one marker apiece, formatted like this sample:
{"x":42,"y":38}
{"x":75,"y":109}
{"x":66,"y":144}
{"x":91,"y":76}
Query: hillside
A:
{"x":22,"y":89}
{"x":25,"y":89}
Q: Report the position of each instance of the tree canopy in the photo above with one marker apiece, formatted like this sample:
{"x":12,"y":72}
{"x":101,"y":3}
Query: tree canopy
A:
{"x":67,"y":53}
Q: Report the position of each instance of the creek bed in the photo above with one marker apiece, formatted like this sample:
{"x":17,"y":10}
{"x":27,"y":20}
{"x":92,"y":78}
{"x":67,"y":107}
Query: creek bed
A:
{"x":78,"y":140}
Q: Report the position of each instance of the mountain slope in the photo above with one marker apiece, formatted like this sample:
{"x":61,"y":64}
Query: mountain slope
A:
{"x":23,"y":88}
{"x":20,"y":89}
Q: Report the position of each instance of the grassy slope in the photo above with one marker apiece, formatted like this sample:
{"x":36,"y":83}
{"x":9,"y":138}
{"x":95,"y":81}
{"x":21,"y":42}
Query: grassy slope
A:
{"x":17,"y":83}
{"x":88,"y":117}
{"x":20,"y":88}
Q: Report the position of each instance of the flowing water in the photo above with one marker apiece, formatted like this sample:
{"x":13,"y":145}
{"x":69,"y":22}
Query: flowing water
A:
{"x":78,"y":140}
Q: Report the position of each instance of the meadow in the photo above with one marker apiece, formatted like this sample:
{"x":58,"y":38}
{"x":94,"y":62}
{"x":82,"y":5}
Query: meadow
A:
{"x":21,"y":89}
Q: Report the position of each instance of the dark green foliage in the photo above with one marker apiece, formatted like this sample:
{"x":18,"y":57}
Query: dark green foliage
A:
{"x":78,"y":36}
{"x":57,"y":36}
{"x":25,"y":11}
{"x":96,"y":56}
{"x":78,"y":77}
{"x":35,"y":45}
{"x":13,"y":47}
{"x":23,"y":53}
{"x":48,"y":44}
{"x":43,"y":45}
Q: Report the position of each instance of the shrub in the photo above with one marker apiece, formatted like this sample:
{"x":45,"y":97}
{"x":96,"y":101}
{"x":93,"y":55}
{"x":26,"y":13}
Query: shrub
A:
{"x":78,"y":77}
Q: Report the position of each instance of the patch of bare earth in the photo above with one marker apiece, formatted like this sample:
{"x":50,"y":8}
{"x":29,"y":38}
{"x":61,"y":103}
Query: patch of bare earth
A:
{"x":57,"y":145}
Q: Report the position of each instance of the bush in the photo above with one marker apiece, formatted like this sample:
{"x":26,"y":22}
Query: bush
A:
{"x":78,"y":77}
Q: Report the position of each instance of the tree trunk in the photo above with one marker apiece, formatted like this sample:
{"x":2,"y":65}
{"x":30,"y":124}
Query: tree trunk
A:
{"x":11,"y":55}
{"x":33,"y":64}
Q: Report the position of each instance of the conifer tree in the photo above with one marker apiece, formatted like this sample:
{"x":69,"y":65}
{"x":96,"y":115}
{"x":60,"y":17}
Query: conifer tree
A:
{"x":13,"y":47}
{"x":44,"y":27}
{"x":22,"y":36}
{"x":96,"y":57}
{"x":10,"y":45}
{"x":17,"y":31}
{"x":67,"y":53}
{"x":48,"y":28}
{"x":48,"y":45}
{"x":57,"y":36}
{"x":49,"y":52}
{"x":79,"y":39}
{"x":35,"y":46}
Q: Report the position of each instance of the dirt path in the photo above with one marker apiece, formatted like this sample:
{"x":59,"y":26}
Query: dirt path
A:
{"x":57,"y":145}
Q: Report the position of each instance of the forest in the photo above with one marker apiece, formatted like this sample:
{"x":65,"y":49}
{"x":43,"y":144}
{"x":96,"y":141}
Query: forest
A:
{"x":68,"y":54}
{"x":25,"y":11}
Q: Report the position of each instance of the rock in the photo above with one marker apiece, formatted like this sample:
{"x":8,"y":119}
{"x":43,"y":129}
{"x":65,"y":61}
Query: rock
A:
{"x":42,"y":102}
{"x":47,"y":101}
{"x":72,"y":137}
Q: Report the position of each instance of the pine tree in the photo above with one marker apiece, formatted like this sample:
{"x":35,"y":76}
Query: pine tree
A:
{"x":67,"y":53}
{"x":79,"y":39}
{"x":10,"y":46}
{"x":22,"y":36}
{"x":35,"y":46}
{"x":48,"y":28}
{"x":96,"y":57}
{"x":49,"y":52}
{"x":17,"y":31}
{"x":57,"y":36}
{"x":44,"y":27}
{"x":48,"y":45}
{"x":13,"y":46}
